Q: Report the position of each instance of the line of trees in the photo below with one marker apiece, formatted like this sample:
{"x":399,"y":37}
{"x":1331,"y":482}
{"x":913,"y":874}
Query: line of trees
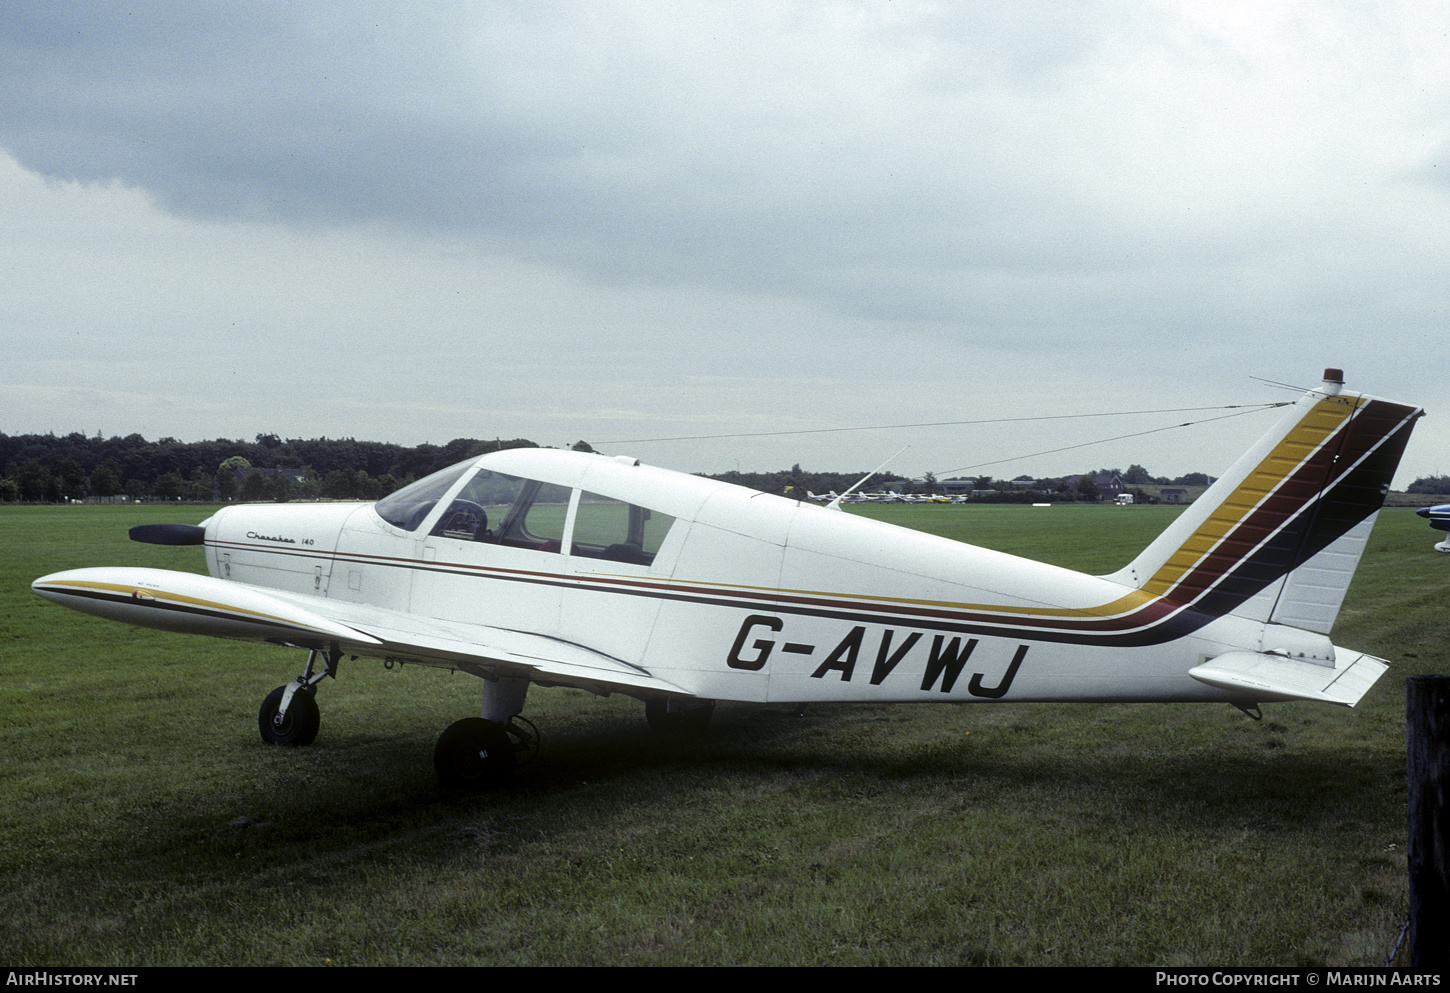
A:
{"x":1432,"y":485}
{"x":54,"y":468}
{"x":1024,"y":489}
{"x":51,"y":469}
{"x":795,"y":478}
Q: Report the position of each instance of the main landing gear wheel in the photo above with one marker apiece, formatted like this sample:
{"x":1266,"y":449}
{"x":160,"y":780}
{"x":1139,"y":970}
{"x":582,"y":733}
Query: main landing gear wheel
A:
{"x":682,"y":718}
{"x":474,"y":754}
{"x":296,"y":727}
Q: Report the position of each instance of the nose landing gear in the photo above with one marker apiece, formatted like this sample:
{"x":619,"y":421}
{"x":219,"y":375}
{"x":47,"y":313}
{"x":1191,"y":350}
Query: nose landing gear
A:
{"x":296,"y":725}
{"x":289,"y":714}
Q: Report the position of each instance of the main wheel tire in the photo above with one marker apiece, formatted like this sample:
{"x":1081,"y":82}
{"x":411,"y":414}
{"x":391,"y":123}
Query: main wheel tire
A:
{"x":474,"y":754}
{"x":297,"y":727}
{"x":682,"y":718}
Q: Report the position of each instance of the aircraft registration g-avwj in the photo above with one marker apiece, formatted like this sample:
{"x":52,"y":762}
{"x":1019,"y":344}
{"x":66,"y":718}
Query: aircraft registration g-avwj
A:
{"x":562,"y":568}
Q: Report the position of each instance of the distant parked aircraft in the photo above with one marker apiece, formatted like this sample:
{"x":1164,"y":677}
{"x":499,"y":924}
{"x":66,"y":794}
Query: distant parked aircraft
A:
{"x":1439,"y":518}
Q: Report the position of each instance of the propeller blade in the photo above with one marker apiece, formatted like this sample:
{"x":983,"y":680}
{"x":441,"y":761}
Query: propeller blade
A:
{"x":169,"y":534}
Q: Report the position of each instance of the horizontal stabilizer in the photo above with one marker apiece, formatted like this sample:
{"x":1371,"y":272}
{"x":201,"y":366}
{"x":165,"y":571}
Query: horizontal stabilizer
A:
{"x":1278,"y":677}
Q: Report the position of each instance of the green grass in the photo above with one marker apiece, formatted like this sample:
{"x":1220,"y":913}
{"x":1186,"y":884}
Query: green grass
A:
{"x":144,"y":822}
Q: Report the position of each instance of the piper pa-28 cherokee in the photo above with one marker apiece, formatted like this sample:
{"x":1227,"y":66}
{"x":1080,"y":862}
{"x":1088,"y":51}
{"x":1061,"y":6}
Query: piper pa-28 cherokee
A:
{"x":575,"y":569}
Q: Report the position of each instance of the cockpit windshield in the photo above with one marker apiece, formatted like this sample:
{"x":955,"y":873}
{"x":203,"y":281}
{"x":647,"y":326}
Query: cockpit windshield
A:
{"x":408,"y":507}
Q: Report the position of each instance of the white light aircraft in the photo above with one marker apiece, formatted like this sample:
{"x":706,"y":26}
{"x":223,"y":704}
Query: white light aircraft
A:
{"x":572,"y":569}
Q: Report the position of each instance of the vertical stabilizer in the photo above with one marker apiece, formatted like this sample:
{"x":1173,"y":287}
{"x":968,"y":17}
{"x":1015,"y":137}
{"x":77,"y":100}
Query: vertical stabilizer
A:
{"x":1279,"y":535}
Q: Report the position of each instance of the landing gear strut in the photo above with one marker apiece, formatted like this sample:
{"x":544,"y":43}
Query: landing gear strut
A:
{"x":289,"y":714}
{"x":674,"y":716}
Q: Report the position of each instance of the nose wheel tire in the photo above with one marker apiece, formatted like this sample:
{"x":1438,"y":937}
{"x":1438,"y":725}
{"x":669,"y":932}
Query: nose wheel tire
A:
{"x":297,"y":727}
{"x":474,"y":754}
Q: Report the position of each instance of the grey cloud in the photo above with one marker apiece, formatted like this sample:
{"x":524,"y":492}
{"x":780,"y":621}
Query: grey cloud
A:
{"x":564,"y":136}
{"x":1098,"y":185}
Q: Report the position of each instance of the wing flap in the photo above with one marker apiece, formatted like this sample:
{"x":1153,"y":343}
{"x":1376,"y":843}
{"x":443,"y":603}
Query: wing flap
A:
{"x":543,"y":659}
{"x":1278,"y":677}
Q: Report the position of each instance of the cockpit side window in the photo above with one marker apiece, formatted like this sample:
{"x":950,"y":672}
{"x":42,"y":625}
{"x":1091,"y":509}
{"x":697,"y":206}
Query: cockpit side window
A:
{"x":536,"y":519}
{"x":485,"y":500}
{"x":606,"y":528}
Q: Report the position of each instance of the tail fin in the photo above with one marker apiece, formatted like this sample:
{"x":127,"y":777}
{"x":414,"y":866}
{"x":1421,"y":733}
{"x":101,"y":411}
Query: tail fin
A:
{"x":1278,"y":537}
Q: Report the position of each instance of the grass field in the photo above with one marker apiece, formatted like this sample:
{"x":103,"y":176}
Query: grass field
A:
{"x":144,"y":822}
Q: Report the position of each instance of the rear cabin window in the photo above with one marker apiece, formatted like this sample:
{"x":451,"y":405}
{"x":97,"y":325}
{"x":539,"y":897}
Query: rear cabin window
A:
{"x":606,"y":528}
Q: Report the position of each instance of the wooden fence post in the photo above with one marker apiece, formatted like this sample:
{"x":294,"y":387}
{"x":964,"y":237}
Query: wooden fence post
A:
{"x":1427,"y":752}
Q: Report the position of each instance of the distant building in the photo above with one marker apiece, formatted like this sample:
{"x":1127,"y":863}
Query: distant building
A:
{"x":1109,"y":485}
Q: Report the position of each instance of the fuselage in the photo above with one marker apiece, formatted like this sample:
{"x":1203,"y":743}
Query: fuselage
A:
{"x":733,"y":594}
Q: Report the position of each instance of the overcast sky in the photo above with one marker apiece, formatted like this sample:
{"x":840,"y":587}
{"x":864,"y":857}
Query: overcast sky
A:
{"x":622,"y":221}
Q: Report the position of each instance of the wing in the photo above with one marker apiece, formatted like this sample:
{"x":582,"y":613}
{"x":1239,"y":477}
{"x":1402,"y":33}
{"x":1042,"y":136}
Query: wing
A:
{"x":193,"y":604}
